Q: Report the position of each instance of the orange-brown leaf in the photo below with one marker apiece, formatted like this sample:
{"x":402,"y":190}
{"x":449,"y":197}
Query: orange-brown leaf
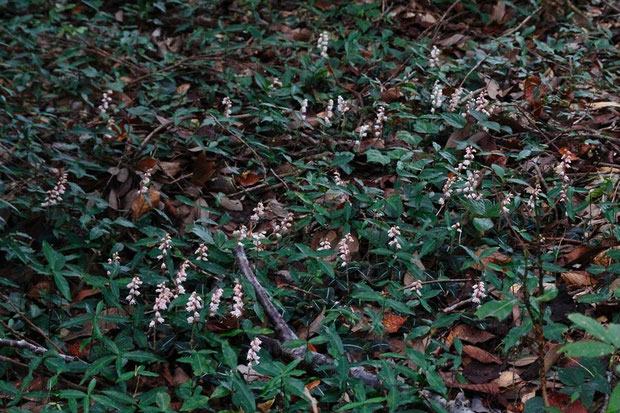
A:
{"x":248,"y":178}
{"x":313,"y":384}
{"x":468,"y":333}
{"x":146,"y":163}
{"x":579,"y":279}
{"x":392,"y":322}
{"x":141,"y":205}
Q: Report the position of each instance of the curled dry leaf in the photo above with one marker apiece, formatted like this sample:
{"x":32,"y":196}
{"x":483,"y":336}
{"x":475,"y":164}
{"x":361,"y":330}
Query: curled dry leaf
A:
{"x":468,"y":333}
{"x":508,"y":379}
{"x":579,"y":279}
{"x":481,"y":355}
{"x":248,"y":178}
{"x":392,"y":322}
{"x":141,"y":205}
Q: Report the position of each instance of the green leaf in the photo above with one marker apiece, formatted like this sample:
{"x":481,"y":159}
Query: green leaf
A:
{"x":499,"y":309}
{"x":425,"y":126}
{"x":614,"y":401}
{"x":242,"y":395}
{"x":483,"y":224}
{"x":62,"y":284}
{"x":587,"y":348}
{"x":456,"y":120}
{"x":203,"y":233}
{"x":435,"y":382}
{"x":591,"y":326}
{"x":374,"y":156}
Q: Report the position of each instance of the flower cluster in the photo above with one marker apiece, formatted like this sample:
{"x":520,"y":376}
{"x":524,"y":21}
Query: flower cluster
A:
{"x":252,"y":356}
{"x":505,"y":202}
{"x":322,"y":44}
{"x":227,"y":106}
{"x":329,"y":112}
{"x":393,"y":232}
{"x":416,"y":287}
{"x":479,"y":292}
{"x":303,"y":109}
{"x":216,"y":298}
{"x":560,"y":170}
{"x":434,"y":60}
{"x":258,"y":237}
{"x":258,"y":212}
{"x":324,"y":245}
{"x":534,"y":196}
{"x":202,"y":253}
{"x":116,"y":259}
{"x":343,"y":105}
{"x":134,"y":290}
{"x":468,"y":158}
{"x":378,"y":126}
{"x":241,"y":233}
{"x":180,"y":278}
{"x":337,"y":179}
{"x":455,"y":99}
{"x":280,"y":228}
{"x":363,"y":132}
{"x":447,"y":189}
{"x":343,"y":249}
{"x":161,"y":303}
{"x":193,"y":307}
{"x":164,"y":246}
{"x":145,"y":182}
{"x":437,"y":97}
{"x":238,"y":299}
{"x":105,"y":101}
{"x":54,"y":195}
{"x":471,"y":185}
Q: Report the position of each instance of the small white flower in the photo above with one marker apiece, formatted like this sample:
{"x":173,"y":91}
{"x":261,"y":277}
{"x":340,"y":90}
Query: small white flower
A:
{"x":393,"y":232}
{"x":238,"y":300}
{"x":202,"y":253}
{"x":505,"y":202}
{"x":437,"y":97}
{"x":164,"y":247}
{"x":329,"y":113}
{"x":161,"y":303}
{"x":146,"y":180}
{"x":258,"y":212}
{"x":193,"y":307}
{"x":324,"y":245}
{"x":455,"y":99}
{"x":116,"y":259}
{"x":343,"y":105}
{"x":447,"y":189}
{"x":434,"y":60}
{"x":560,"y":170}
{"x":105,"y":101}
{"x":283,"y":226}
{"x":227,"y":106}
{"x":323,"y":43}
{"x":378,"y":126}
{"x":343,"y":249}
{"x":416,"y":287}
{"x":479,"y":292}
{"x":134,"y":290}
{"x":215,"y":301}
{"x":534,"y":196}
{"x":54,"y":195}
{"x":303,"y":109}
{"x":180,"y":278}
{"x":252,"y":356}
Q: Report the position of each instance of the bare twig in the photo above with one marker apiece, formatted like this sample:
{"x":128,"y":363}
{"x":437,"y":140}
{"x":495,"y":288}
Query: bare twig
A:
{"x":154,"y":132}
{"x":35,"y":349}
{"x":285,"y":332}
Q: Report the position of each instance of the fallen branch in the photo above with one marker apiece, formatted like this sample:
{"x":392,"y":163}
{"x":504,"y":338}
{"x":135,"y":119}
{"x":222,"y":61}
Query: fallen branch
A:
{"x":34,"y":348}
{"x":286,"y":333}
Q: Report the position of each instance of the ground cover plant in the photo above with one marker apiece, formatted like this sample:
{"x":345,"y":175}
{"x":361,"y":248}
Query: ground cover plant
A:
{"x":358,"y":206}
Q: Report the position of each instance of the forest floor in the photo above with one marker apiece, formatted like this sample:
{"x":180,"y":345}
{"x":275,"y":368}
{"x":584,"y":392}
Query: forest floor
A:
{"x":314,"y":205}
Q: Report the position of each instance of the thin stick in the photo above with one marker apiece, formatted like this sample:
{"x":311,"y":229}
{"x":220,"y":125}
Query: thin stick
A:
{"x":35,"y":349}
{"x":154,"y":132}
{"x":472,"y":70}
{"x":285,"y":332}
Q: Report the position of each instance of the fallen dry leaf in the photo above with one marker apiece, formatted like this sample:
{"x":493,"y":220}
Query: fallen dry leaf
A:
{"x":145,"y":164}
{"x":141,"y":205}
{"x":601,"y":105}
{"x":508,"y":379}
{"x":231,"y":204}
{"x":496,"y":258}
{"x":450,"y":381}
{"x":182,"y":88}
{"x":579,"y":279}
{"x":203,"y":169}
{"x":468,"y":333}
{"x":481,"y":355}
{"x":248,"y":178}
{"x":392,"y":322}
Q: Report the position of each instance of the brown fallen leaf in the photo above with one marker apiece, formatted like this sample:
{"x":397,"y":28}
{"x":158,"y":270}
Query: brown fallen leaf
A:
{"x":182,"y":88}
{"x":203,"y":169}
{"x":145,"y":164}
{"x":450,"y":381}
{"x":231,"y":204}
{"x":468,"y":333}
{"x":508,"y":379}
{"x":141,"y":205}
{"x":391,"y":95}
{"x":481,"y":355}
{"x":579,"y":279}
{"x":392,"y":322}
{"x":248,"y":178}
{"x":496,"y":258}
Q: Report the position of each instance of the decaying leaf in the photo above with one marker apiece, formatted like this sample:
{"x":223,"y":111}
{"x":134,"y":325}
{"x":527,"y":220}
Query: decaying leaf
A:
{"x":481,"y":355}
{"x":496,"y":258}
{"x":248,"y":178}
{"x":469,"y":334}
{"x":141,"y":205}
{"x":203,"y":169}
{"x":579,"y":279}
{"x":392,"y":322}
{"x":231,"y":204}
{"x":450,"y":381}
{"x":508,"y":379}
